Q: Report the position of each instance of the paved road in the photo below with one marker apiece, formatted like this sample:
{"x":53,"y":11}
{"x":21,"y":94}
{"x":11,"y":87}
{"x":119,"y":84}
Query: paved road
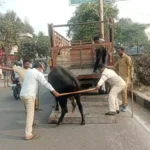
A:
{"x":126,"y":134}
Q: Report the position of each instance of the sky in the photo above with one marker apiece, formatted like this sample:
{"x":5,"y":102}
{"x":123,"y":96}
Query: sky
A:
{"x":41,"y":12}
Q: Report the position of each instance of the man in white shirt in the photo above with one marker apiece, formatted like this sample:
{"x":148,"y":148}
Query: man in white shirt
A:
{"x":117,"y":85}
{"x":22,"y":72}
{"x":28,"y":94}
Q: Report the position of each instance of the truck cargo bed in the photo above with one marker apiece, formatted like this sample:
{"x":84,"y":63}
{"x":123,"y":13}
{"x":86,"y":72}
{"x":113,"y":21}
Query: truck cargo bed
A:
{"x":87,"y":73}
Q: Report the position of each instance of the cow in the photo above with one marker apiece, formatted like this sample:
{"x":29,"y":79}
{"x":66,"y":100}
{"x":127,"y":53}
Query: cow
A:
{"x":64,"y":81}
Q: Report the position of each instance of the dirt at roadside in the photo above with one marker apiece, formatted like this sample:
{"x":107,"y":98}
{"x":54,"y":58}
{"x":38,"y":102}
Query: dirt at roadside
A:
{"x":143,"y":89}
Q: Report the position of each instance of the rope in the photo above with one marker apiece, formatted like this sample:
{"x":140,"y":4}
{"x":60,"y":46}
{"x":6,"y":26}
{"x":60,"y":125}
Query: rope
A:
{"x":77,"y":92}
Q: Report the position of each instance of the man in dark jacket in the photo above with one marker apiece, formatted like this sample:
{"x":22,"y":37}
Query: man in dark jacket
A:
{"x":100,"y":53}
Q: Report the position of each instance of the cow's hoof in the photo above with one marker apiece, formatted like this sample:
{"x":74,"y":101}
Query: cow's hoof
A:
{"x":58,"y":123}
{"x":52,"y":122}
{"x":57,"y":109}
{"x":66,"y":111}
{"x":82,"y":123}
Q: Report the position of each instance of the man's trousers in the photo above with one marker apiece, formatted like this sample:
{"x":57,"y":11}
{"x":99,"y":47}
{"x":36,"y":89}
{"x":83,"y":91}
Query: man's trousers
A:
{"x":113,"y":96}
{"x":125,"y":93}
{"x":29,"y":105}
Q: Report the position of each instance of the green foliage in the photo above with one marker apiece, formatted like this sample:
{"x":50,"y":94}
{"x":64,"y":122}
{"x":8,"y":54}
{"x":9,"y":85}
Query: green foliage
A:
{"x":10,"y":28}
{"x":27,"y":28}
{"x":27,"y":49}
{"x":142,"y":68}
{"x":42,"y":45}
{"x":127,"y":32}
{"x":89,"y":12}
{"x":30,"y":47}
{"x":130,"y":33}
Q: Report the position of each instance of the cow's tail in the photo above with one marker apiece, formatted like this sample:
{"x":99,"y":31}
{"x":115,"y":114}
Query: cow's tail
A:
{"x":73,"y":103}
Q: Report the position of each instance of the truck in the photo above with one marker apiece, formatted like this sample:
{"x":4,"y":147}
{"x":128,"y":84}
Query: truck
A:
{"x":78,"y":56}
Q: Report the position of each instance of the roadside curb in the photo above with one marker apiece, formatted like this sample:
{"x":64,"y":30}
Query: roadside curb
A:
{"x":141,"y":99}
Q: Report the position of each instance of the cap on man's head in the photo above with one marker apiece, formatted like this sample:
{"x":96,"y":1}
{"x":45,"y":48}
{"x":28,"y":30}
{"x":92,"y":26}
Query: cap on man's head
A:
{"x":101,"y":40}
{"x":96,"y":38}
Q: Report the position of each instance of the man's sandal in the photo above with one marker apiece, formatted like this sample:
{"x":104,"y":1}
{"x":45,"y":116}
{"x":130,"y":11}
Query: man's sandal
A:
{"x":110,"y":113}
{"x":38,"y":109}
{"x":36,"y":136}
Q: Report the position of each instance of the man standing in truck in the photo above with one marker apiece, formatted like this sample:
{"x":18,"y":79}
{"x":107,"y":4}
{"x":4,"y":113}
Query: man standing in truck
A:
{"x":100,"y":53}
{"x":100,"y":56}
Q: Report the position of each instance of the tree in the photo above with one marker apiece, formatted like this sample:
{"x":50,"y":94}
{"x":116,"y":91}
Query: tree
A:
{"x":142,"y":68}
{"x":27,"y":49}
{"x":30,"y":47}
{"x":10,"y":28}
{"x":27,"y":28}
{"x":130,"y":33}
{"x":42,"y":45}
{"x":86,"y":13}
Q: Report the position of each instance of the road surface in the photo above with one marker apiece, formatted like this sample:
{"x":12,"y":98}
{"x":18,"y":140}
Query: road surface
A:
{"x":126,"y":134}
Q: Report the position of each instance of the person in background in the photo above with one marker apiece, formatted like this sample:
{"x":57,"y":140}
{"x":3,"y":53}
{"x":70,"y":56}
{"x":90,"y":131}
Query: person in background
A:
{"x":28,"y":93}
{"x":125,"y":66}
{"x":117,"y":85}
{"x":21,"y":71}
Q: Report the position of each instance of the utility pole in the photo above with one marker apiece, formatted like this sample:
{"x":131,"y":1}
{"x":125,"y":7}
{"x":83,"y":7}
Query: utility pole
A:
{"x":101,"y":18}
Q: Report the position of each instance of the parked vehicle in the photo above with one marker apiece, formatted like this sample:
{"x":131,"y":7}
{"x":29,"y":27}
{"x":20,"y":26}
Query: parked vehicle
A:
{"x":16,"y":86}
{"x":78,"y":56}
{"x":16,"y":90}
